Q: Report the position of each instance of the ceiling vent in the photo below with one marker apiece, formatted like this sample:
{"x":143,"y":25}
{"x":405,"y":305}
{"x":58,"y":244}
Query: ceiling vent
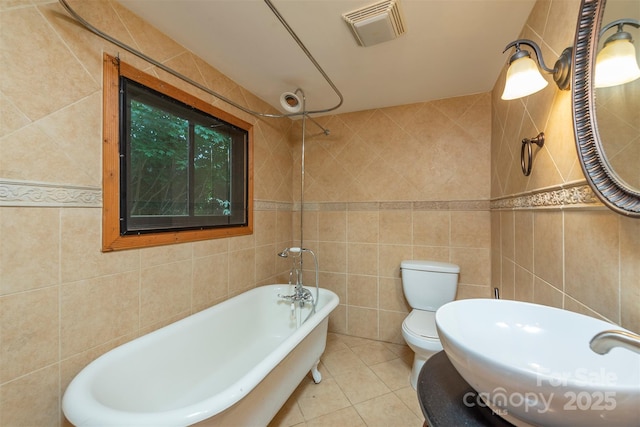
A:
{"x":377,"y":23}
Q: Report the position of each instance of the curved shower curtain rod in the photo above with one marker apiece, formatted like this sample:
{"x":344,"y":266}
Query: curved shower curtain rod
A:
{"x":139,"y":54}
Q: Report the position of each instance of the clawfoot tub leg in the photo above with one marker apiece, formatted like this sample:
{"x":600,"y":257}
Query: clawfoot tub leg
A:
{"x":315,"y":373}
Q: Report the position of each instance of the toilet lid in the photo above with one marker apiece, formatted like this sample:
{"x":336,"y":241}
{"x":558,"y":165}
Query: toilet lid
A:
{"x":422,"y":323}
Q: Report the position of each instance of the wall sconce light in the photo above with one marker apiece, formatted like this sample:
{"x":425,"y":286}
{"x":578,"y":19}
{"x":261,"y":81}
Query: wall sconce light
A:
{"x":616,"y":63}
{"x":523,"y":76}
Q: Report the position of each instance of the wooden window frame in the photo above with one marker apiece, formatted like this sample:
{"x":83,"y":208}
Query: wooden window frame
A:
{"x":112,"y":239}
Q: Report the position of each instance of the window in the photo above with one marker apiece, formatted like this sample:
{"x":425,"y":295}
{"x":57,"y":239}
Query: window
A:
{"x":175,"y":168}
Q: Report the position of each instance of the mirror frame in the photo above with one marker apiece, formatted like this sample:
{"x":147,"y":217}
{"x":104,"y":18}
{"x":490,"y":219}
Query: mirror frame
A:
{"x":599,"y":174}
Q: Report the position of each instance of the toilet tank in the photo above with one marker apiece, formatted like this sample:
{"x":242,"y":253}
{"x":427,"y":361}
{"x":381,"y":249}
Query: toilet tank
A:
{"x":427,"y":285}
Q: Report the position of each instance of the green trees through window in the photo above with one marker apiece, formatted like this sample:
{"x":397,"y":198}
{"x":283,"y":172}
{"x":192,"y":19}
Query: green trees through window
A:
{"x":181,"y":164}
{"x":159,"y":162}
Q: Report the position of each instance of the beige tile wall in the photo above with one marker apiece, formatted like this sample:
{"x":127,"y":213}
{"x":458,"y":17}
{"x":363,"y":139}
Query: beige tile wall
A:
{"x":390,"y":184}
{"x":62,"y":301}
{"x":584,"y":260}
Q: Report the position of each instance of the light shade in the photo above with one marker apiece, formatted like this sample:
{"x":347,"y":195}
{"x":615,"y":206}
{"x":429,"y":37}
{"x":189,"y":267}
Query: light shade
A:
{"x":523,"y":78}
{"x":616,"y":64}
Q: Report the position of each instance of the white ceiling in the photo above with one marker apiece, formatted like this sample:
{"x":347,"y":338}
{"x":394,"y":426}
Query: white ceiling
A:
{"x":451,"y":47}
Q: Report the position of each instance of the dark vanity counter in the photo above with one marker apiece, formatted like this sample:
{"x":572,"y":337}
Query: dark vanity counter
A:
{"x":448,"y":400}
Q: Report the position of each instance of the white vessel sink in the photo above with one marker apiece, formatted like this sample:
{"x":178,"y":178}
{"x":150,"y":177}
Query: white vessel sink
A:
{"x":533,"y":365}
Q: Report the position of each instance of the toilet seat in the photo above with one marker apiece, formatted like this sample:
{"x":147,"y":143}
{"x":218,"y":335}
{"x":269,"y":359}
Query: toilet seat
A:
{"x":421,"y":324}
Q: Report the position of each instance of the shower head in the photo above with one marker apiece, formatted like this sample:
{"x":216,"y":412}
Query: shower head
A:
{"x":295,"y":102}
{"x":291,"y":102}
{"x":293,"y":251}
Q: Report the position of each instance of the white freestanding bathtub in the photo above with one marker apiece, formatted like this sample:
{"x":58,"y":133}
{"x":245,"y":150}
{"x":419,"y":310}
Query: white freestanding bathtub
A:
{"x":234,"y":364}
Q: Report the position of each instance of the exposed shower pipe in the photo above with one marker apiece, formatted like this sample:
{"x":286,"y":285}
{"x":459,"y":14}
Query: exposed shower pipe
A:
{"x":294,"y":103}
{"x":304,"y":117}
{"x":184,"y":78}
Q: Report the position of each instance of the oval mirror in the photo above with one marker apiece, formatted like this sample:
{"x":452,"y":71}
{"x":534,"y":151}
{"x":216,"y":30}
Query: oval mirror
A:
{"x":607,"y":119}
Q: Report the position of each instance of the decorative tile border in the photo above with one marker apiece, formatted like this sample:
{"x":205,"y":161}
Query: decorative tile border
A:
{"x":23,"y":193}
{"x":265,"y":205}
{"x":36,"y":194}
{"x":576,"y":196}
{"x":454,"y":205}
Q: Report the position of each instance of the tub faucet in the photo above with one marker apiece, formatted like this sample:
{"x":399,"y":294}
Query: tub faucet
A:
{"x":606,"y":340}
{"x":301,"y":295}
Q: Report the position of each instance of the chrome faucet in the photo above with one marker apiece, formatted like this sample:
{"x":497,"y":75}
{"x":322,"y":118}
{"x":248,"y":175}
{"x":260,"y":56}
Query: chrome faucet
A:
{"x":301,"y":295}
{"x":606,"y":340}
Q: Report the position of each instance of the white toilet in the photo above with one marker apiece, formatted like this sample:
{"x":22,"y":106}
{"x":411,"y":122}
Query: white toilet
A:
{"x":427,"y":285}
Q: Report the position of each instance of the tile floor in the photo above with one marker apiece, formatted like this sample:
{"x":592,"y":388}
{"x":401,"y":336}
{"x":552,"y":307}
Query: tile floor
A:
{"x":364,"y":383}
